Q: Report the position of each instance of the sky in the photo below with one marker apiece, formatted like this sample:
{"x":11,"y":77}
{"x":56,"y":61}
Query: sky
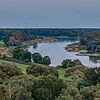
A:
{"x":49,"y":13}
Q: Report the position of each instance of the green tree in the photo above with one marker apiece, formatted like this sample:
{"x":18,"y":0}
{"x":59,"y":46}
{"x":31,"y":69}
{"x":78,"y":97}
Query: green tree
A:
{"x":92,"y":75}
{"x":67,"y":63}
{"x":46,"y":60}
{"x":19,"y":88}
{"x":22,"y":54}
{"x":47,"y":88}
{"x":39,"y":70}
{"x":37,"y":58}
{"x":8,"y":70}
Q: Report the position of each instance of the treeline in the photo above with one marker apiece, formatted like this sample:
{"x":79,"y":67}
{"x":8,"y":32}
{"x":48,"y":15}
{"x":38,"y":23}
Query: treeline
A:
{"x":14,"y":37}
{"x":91,"y":41}
{"x":26,"y":56}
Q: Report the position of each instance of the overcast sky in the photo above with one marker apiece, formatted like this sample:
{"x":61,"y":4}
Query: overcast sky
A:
{"x":50,"y":13}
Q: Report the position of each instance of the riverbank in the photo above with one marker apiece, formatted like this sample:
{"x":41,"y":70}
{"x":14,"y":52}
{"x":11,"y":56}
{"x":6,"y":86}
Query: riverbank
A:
{"x":44,"y":39}
{"x":94,"y":55}
{"x":8,"y":50}
{"x":77,"y":47}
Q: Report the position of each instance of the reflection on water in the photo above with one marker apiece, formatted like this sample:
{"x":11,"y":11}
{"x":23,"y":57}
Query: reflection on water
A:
{"x":56,"y":51}
{"x":35,"y":46}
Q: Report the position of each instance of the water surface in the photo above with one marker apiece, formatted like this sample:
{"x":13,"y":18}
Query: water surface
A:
{"x":56,"y":51}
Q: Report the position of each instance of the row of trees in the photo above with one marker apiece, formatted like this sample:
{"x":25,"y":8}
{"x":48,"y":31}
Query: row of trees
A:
{"x":15,"y":37}
{"x":37,"y":58}
{"x":26,"y":56}
{"x":69,"y":63}
{"x":21,"y":54}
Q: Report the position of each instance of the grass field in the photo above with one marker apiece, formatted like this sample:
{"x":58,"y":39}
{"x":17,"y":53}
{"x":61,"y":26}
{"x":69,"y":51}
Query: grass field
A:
{"x":22,"y":66}
{"x":61,"y":73}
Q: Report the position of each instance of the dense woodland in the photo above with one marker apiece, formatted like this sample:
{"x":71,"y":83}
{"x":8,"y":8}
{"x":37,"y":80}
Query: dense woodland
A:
{"x":14,"y":37}
{"x":43,"y":83}
{"x":91,"y":41}
{"x":69,"y":81}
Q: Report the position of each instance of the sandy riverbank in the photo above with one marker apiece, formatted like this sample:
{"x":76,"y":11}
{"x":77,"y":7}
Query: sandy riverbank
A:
{"x":88,"y":54}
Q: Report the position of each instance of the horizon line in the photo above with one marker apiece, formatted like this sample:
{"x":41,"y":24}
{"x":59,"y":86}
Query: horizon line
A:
{"x":50,"y":27}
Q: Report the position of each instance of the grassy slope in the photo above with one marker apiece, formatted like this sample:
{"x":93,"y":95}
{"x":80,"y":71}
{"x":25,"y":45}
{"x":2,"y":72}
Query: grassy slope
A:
{"x":22,"y":66}
{"x":61,"y":73}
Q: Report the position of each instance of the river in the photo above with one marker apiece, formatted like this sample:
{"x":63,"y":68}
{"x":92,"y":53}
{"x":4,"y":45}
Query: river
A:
{"x":56,"y":51}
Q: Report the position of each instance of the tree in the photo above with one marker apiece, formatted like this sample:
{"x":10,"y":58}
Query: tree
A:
{"x":19,"y":88}
{"x":37,"y":58}
{"x":41,"y":70}
{"x":1,"y":96}
{"x":47,"y":88}
{"x":27,"y":56}
{"x":92,"y":75}
{"x":22,"y":55}
{"x":67,"y":63}
{"x":8,"y":70}
{"x":46,"y":60}
{"x":71,"y":93}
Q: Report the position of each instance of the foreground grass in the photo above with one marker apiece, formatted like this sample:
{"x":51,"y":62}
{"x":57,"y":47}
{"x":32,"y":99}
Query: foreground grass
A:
{"x":22,"y":66}
{"x":61,"y":73}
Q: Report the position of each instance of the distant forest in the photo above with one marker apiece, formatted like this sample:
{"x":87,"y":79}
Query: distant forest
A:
{"x":17,"y":36}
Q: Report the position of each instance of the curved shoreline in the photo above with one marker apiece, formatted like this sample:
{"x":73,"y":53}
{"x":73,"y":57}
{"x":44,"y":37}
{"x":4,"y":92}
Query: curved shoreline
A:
{"x":46,"y":39}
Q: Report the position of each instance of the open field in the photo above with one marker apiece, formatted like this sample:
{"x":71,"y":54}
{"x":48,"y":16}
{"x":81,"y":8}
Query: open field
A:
{"x":61,"y":73}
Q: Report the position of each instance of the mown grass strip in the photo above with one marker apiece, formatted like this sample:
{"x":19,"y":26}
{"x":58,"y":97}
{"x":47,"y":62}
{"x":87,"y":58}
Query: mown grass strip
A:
{"x":61,"y":73}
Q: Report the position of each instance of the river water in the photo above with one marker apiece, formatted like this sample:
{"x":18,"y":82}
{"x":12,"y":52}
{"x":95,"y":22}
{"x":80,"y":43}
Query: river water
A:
{"x":56,"y":51}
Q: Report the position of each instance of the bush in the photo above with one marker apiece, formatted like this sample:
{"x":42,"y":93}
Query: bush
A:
{"x":8,"y":70}
{"x":46,"y":60}
{"x":39,"y":70}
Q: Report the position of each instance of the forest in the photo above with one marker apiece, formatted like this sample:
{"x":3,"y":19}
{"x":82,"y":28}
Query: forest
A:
{"x":91,"y":41}
{"x":26,"y":76}
{"x":14,"y":37}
